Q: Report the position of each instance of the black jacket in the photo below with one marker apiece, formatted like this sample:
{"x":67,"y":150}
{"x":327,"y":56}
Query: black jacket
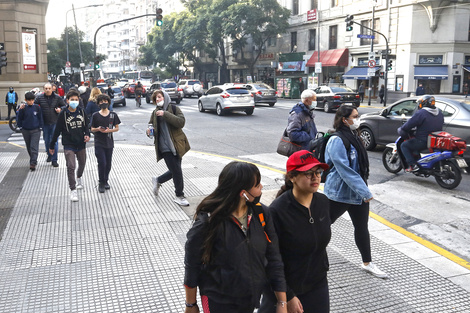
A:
{"x":301,"y":243}
{"x":48,"y":106}
{"x":240,"y":266}
{"x":73,"y":129}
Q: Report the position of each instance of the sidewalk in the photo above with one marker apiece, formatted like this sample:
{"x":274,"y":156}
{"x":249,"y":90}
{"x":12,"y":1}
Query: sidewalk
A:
{"x":122,"y":251}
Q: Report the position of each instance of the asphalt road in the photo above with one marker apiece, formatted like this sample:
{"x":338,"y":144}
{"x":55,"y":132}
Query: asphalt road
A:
{"x":417,"y":204}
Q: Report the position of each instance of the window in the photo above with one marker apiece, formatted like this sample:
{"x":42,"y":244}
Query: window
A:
{"x":311,"y":39}
{"x":272,"y":41}
{"x":406,"y":107}
{"x":333,"y":37}
{"x":446,"y":109}
{"x":293,"y":41}
{"x":295,"y":7}
{"x":314,"y":4}
{"x":365,"y":31}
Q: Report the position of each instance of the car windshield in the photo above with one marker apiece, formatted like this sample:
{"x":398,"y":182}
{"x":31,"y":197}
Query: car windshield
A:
{"x":341,"y":89}
{"x":193,"y":82}
{"x":237,"y":91}
{"x":261,"y":86}
{"x":168,"y":85}
{"x":465,"y":104}
{"x":117,"y":89}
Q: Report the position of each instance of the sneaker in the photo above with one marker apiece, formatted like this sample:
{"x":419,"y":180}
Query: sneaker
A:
{"x":79,"y":183}
{"x":374,"y":270}
{"x":101,"y":188}
{"x":74,"y":195}
{"x":49,"y":158}
{"x":55,"y":164}
{"x":107,"y":186}
{"x":156,"y":186}
{"x":412,"y":168}
{"x":32,"y":167}
{"x":181,"y":201}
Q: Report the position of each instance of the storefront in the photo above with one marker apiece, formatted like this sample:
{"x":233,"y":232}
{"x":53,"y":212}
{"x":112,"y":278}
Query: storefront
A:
{"x":290,"y":75}
{"x":360,"y":73}
{"x":430,"y":72}
{"x":333,"y":63}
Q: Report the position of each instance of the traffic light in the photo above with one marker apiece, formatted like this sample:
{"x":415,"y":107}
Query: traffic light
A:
{"x":97,"y":63}
{"x":159,"y":17}
{"x":390,"y":65}
{"x":349,"y":22}
{"x":3,"y":59}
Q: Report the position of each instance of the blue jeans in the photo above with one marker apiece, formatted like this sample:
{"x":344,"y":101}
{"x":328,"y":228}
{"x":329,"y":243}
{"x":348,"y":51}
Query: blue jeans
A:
{"x":47,"y":133}
{"x":111,"y":105}
{"x":412,"y":147}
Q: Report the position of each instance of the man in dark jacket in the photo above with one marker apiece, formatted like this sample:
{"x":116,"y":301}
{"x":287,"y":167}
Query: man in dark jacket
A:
{"x":300,"y":125}
{"x":110,"y":93}
{"x":51,"y":105}
{"x":427,"y":119}
{"x":72,"y":123}
{"x":420,"y":90}
{"x":11,"y":100}
{"x":30,"y":121}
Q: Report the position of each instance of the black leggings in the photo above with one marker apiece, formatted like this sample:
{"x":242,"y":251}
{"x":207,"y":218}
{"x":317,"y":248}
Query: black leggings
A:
{"x":210,"y":306}
{"x":360,"y":218}
{"x":316,"y":300}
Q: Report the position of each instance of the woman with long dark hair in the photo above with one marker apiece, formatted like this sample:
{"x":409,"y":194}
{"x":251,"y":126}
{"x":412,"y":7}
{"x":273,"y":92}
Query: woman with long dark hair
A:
{"x":232,"y":248}
{"x":346,"y":183}
{"x":302,"y":222}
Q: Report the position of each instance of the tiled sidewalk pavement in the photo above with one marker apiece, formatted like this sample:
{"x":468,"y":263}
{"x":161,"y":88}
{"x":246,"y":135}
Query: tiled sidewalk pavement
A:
{"x":122,"y":251}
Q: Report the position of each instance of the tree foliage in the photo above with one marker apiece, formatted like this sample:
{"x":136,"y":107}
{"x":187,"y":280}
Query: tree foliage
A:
{"x":206,"y":25}
{"x":57,"y":55}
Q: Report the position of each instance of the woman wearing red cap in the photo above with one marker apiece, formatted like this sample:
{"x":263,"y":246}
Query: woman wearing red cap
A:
{"x":302,"y":222}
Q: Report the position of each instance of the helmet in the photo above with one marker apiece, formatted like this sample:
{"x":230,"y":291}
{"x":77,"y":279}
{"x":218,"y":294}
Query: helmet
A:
{"x":82,"y":89}
{"x":426,"y":101}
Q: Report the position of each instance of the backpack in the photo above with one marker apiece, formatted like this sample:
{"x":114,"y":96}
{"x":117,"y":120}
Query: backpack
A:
{"x":318,"y":148}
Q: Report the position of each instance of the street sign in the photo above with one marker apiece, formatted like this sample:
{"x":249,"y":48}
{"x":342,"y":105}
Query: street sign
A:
{"x":317,"y":67}
{"x":385,"y":51}
{"x":370,"y":72}
{"x":366,"y":36}
{"x":372,"y":55}
{"x":312,"y":15}
{"x":371,"y":64}
{"x":67,"y":64}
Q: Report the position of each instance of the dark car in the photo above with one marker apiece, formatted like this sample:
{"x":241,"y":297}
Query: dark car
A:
{"x":118,"y":97}
{"x":330,"y":98}
{"x":171,"y":88}
{"x":262,"y":93}
{"x":128,"y":90}
{"x":381,"y":127}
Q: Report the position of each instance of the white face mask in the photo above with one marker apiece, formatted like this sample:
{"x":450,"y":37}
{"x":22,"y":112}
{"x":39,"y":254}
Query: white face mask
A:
{"x":160,"y":104}
{"x":313,"y":105}
{"x":73,"y":104}
{"x":356,"y":123}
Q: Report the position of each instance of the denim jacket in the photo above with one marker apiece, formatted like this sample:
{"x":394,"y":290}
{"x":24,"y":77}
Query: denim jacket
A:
{"x":344,"y":183}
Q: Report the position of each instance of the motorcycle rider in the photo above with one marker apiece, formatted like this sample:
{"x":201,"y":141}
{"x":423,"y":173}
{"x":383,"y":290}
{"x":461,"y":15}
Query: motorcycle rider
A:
{"x":426,"y":119}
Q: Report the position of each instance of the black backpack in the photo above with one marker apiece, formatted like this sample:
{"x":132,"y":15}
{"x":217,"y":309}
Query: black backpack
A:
{"x":318,"y":148}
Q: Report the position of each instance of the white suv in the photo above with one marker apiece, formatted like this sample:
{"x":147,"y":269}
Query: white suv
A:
{"x":191,"y":87}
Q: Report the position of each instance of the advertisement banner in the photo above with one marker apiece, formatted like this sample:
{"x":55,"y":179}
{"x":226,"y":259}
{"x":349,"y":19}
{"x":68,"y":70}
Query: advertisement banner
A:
{"x":294,"y":66}
{"x":29,"y":49}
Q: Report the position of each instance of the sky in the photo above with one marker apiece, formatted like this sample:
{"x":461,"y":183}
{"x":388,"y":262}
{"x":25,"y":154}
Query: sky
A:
{"x":55,"y":16}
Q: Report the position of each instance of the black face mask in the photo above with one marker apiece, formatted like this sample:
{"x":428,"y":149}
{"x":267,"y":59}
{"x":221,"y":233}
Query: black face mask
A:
{"x":103,"y":106}
{"x":256,"y":199}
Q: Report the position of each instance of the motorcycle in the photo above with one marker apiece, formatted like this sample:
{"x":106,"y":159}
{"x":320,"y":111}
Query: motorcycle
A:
{"x":12,"y":121}
{"x":445,"y":165}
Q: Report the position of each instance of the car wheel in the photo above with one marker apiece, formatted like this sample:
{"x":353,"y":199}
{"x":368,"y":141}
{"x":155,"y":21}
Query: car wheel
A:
{"x":219,"y":110}
{"x":249,"y":111}
{"x":200,"y":107}
{"x":326,"y":107}
{"x":178,"y":101}
{"x":368,"y":138}
{"x":271,"y":104}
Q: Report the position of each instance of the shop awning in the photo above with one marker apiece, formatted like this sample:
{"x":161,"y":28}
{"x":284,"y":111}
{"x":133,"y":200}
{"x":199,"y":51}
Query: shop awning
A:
{"x":431,"y":72}
{"x":358,"y":72}
{"x":466,"y":67}
{"x":336,"y":57}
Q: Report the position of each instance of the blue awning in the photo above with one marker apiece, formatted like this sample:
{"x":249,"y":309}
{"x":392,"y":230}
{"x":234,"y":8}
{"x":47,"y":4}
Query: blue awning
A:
{"x":466,"y":67}
{"x":358,"y":73}
{"x":431,"y":72}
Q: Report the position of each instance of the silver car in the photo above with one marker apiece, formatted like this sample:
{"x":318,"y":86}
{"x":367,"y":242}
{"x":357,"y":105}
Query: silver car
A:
{"x":226,"y":98}
{"x":262,"y":93}
{"x":381,"y":127}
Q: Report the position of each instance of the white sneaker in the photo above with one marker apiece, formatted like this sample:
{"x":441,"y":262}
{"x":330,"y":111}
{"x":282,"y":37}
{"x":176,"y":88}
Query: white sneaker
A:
{"x":156,"y":186}
{"x":74,"y":195}
{"x":79,"y":184}
{"x":181,"y":201}
{"x":374,"y":270}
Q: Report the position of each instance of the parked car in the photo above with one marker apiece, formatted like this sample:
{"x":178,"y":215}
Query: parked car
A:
{"x":191,"y":87}
{"x":262,"y":93}
{"x":128,"y":90}
{"x":330,"y":98}
{"x":170,"y":87}
{"x":381,"y":127}
{"x":118,"y":97}
{"x":224,"y":98}
{"x":121,"y":82}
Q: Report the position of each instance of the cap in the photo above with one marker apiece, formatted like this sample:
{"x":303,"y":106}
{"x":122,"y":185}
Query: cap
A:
{"x":302,"y":161}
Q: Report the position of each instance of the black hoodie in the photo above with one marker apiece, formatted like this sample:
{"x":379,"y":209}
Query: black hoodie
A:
{"x":73,"y":126}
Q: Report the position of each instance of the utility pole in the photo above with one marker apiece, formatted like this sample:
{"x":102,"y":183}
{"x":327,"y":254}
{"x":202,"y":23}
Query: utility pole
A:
{"x":372,"y":50}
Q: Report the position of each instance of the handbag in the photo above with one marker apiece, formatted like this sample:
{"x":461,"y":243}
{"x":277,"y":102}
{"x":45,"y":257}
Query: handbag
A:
{"x":286,"y":147}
